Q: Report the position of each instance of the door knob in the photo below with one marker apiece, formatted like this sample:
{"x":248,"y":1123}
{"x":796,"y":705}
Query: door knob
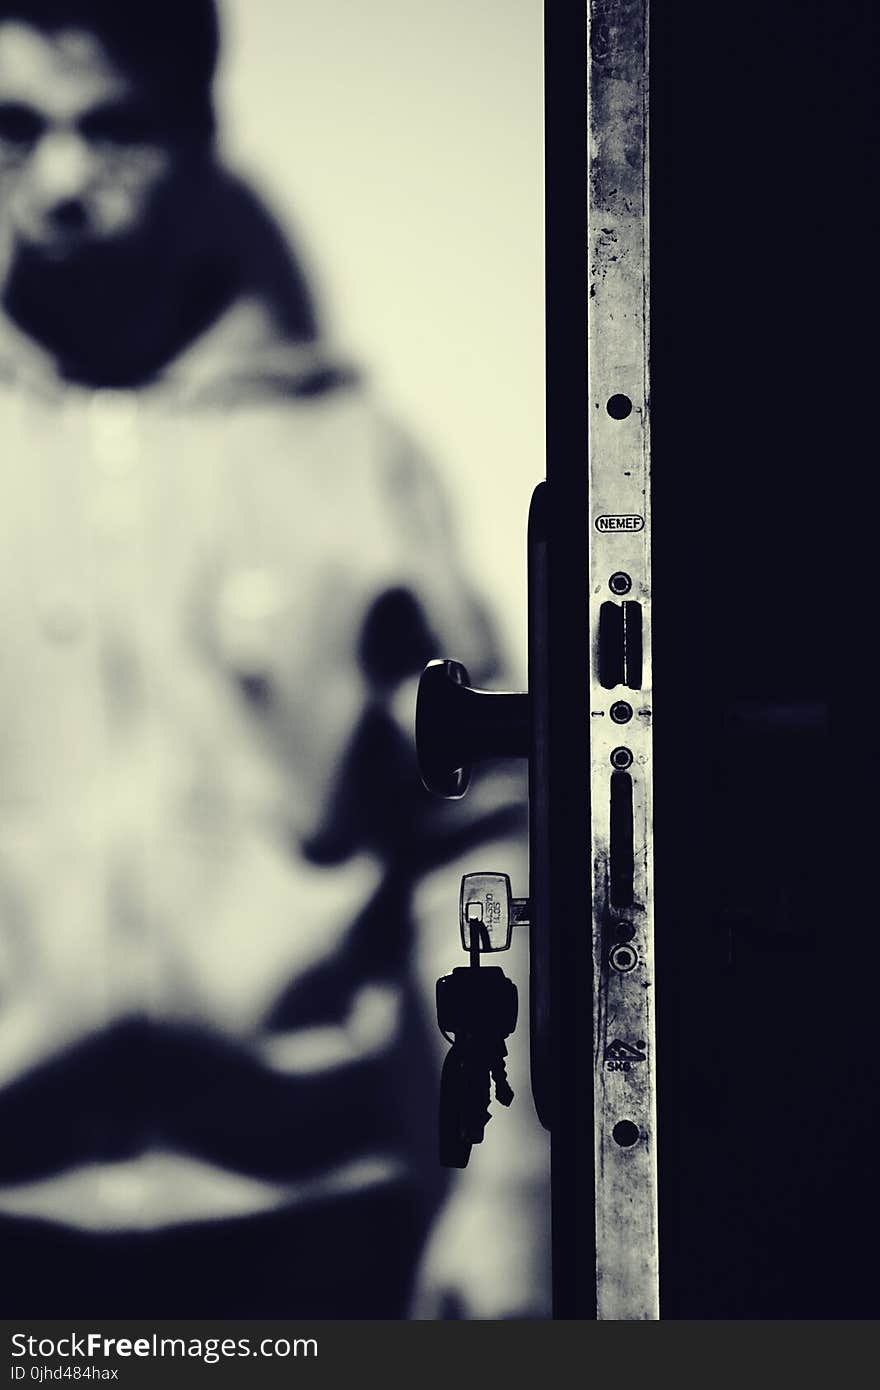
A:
{"x":457,"y":724}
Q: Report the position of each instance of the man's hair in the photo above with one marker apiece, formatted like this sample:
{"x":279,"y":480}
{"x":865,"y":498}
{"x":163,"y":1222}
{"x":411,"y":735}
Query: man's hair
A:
{"x":169,"y":45}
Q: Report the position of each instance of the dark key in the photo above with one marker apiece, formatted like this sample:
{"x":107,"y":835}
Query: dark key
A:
{"x":479,"y":1007}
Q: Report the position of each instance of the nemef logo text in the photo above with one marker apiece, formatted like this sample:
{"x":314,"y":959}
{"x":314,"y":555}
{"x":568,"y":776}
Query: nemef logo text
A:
{"x":619,"y":523}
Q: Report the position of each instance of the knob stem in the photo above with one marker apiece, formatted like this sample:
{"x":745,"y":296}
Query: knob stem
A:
{"x":456,"y":724}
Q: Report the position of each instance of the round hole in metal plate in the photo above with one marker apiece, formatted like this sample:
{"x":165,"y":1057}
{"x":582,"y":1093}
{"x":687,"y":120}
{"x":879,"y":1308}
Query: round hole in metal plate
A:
{"x":619,"y":407}
{"x":623,"y":958}
{"x":625,"y":1133}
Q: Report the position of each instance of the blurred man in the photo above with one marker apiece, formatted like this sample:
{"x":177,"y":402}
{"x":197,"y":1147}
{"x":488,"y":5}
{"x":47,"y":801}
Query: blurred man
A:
{"x":221,"y":570}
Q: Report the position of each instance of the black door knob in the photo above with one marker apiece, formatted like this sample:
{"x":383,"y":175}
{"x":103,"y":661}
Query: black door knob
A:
{"x":456,"y":724}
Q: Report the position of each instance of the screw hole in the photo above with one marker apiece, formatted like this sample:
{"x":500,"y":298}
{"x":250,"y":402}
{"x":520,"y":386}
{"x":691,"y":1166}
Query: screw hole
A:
{"x":625,"y":1133}
{"x":623,"y":959}
{"x":621,"y":757}
{"x":621,"y":712}
{"x":619,"y":407}
{"x":620,"y":582}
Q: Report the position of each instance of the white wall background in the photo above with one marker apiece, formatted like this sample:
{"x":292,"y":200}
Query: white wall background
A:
{"x":402,"y":142}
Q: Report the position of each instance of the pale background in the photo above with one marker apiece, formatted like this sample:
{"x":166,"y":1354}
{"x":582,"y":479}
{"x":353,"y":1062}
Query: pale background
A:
{"x":401,"y":142}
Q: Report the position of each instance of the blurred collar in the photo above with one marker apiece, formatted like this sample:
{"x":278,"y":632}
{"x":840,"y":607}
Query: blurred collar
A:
{"x":254,"y":348}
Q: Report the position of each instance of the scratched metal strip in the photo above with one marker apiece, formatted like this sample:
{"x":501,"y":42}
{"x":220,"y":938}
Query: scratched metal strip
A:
{"x":619,"y":462}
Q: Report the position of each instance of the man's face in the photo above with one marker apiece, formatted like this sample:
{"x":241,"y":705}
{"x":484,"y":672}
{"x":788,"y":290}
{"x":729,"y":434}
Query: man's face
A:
{"x":82,"y":152}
